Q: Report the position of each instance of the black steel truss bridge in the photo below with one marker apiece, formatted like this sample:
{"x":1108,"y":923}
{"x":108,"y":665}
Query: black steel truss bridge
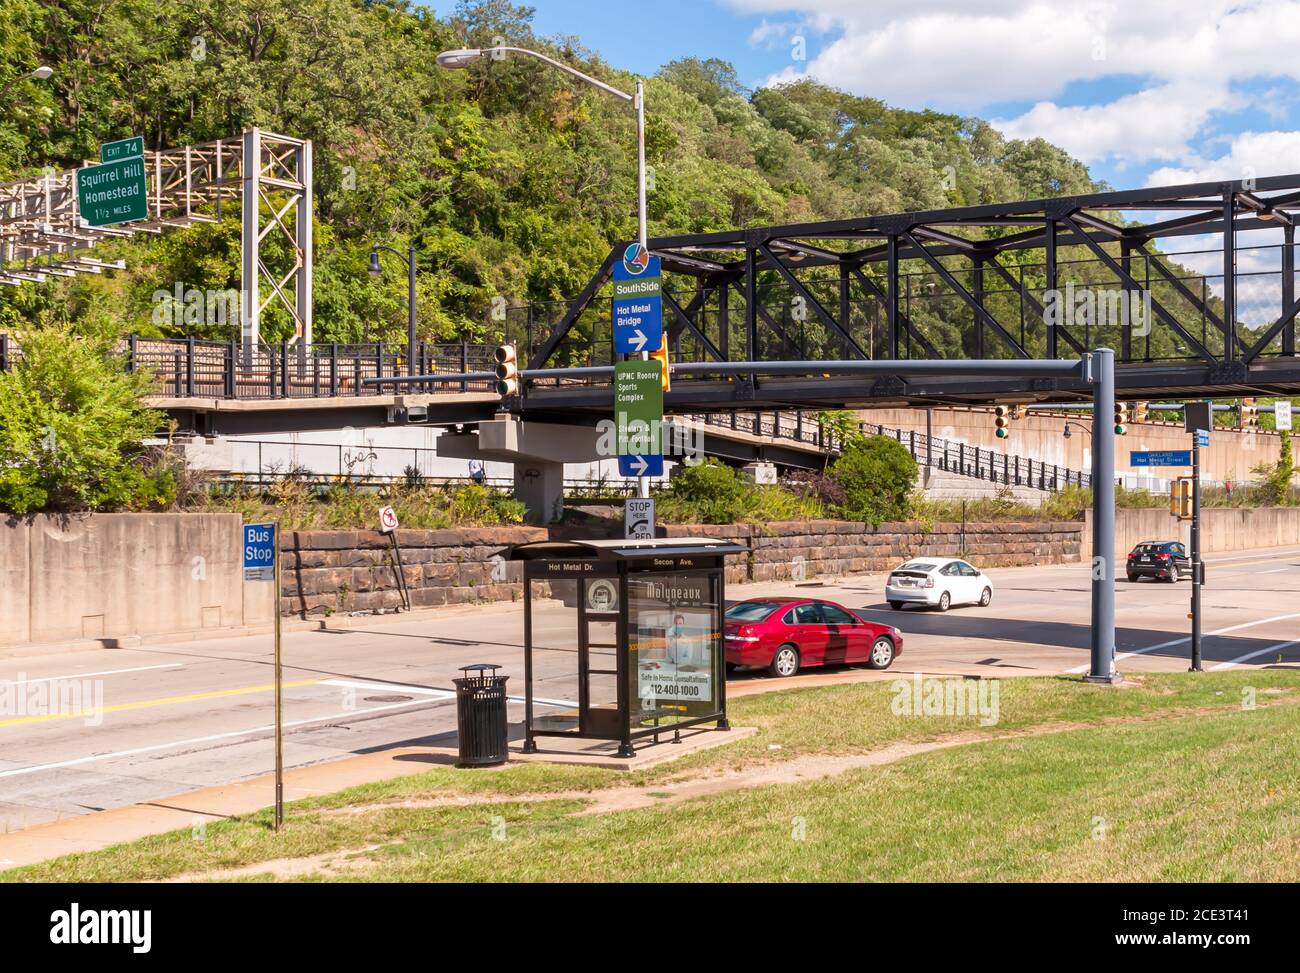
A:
{"x":1193,"y":286}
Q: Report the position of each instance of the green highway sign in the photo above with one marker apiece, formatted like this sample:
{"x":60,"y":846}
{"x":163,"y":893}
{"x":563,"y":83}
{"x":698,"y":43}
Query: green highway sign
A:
{"x":638,"y":417}
{"x":132,"y":148}
{"x":115,"y":192}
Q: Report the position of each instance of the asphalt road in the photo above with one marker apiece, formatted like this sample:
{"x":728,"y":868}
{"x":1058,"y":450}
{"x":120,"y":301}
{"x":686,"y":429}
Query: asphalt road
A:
{"x":176,"y":717}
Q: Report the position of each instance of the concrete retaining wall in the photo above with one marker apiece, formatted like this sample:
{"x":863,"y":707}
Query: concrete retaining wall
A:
{"x":1222,"y":528}
{"x":114,"y":576}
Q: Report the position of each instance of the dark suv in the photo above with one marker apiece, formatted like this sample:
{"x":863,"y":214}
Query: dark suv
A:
{"x":1159,"y":559}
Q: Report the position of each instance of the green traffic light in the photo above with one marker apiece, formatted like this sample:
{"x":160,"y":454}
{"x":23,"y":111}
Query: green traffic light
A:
{"x":1001,"y":434}
{"x":1120,"y":430}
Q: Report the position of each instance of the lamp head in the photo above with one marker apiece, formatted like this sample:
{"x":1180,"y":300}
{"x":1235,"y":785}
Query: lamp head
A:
{"x":41,"y":73}
{"x":374,"y":262}
{"x":461,"y":58}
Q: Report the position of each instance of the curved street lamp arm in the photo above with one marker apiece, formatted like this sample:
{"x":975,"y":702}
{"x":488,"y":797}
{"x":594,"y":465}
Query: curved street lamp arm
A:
{"x":609,"y":89}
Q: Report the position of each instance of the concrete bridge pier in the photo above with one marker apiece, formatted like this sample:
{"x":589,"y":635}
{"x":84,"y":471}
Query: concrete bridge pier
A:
{"x":538,"y":452}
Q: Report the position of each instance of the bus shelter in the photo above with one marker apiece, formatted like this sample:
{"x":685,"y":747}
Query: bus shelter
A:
{"x":623,"y":639}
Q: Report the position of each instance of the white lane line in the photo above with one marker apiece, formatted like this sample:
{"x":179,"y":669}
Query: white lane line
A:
{"x":390,"y":687}
{"x":1187,"y":638}
{"x":86,"y":675}
{"x":77,"y":761}
{"x":1251,"y":655}
{"x":1273,"y":571}
{"x":436,"y":693}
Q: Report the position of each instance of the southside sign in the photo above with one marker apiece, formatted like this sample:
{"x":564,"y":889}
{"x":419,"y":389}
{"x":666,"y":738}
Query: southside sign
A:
{"x":638,"y":312}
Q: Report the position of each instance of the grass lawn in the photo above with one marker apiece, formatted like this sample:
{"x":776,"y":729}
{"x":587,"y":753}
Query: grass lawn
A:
{"x":1184,"y":784}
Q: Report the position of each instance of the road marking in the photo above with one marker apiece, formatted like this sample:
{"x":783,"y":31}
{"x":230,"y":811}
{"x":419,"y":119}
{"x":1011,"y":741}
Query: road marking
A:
{"x":1265,"y":555}
{"x":1188,"y":638}
{"x":77,"y":761}
{"x":87,"y":675}
{"x":544,"y":701}
{"x":1250,"y":655}
{"x":1273,"y":571}
{"x":149,"y":703}
{"x":391,"y":687}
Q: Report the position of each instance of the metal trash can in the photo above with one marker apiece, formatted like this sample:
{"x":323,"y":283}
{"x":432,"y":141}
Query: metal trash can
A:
{"x":481,"y":716}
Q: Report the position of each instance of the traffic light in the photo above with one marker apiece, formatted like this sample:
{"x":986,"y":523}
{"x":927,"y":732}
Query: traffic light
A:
{"x":1180,"y":498}
{"x":660,"y":355}
{"x":1001,"y":418}
{"x":1121,"y":418}
{"x":1249,"y":413}
{"x":1140,"y":411}
{"x":507,"y":371}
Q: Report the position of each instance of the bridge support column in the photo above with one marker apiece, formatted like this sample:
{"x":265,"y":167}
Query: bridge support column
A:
{"x":539,"y":485}
{"x":1101,"y":667}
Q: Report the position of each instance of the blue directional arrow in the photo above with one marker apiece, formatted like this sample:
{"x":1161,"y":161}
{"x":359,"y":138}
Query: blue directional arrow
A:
{"x":641,"y":465}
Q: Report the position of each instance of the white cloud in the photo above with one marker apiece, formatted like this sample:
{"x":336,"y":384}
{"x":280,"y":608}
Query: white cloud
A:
{"x":966,"y":54}
{"x":1250,"y":155}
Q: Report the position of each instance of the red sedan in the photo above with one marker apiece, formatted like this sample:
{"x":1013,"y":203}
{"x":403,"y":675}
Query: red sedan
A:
{"x":787,"y":634}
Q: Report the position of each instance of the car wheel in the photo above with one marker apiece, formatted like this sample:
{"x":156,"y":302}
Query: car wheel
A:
{"x":1173,"y":574}
{"x":731,"y":667}
{"x":882,"y":654}
{"x":785,"y":661}
{"x":944,"y":601}
{"x":986,"y":597}
{"x":1132,"y":579}
{"x":896,"y":605}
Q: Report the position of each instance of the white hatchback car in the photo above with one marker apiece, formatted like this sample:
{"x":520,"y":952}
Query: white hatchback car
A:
{"x":938,"y":583}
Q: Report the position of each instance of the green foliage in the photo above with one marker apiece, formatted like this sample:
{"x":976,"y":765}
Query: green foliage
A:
{"x":877,"y":475}
{"x":71,"y":429}
{"x":301,"y":504}
{"x":713,"y":493}
{"x":511,"y":180}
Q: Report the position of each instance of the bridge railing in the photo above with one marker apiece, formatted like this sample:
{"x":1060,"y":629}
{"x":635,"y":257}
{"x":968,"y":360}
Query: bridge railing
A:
{"x":198,"y":368}
{"x":964,"y":459}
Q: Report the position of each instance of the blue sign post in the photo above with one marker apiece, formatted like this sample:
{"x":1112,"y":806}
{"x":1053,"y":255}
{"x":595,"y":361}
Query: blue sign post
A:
{"x":1175,"y":457}
{"x":262,"y":563}
{"x":638,"y":311}
{"x":259,"y":552}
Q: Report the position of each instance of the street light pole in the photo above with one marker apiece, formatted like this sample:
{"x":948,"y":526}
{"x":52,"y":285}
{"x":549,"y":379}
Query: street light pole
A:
{"x":411,"y":342}
{"x":465,"y":56}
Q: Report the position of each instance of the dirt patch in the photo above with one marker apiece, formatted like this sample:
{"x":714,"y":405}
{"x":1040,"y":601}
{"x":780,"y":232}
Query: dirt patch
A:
{"x":324,"y":865}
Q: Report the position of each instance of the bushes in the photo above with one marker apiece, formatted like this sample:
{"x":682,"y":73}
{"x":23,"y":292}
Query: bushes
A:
{"x":877,"y":476}
{"x":712,"y":493}
{"x":72,"y":426}
{"x":303,"y":505}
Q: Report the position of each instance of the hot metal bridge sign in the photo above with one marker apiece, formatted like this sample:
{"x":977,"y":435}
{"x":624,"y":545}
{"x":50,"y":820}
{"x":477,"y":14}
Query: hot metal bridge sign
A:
{"x":638,"y":312}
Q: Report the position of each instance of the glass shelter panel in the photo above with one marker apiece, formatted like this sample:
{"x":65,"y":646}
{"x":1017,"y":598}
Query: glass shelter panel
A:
{"x":674,"y":646}
{"x":556,"y":670}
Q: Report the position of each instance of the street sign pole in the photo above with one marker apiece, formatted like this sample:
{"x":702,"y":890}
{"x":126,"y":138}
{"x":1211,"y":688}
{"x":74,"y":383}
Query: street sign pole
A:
{"x":1101,"y":666}
{"x":1198,"y":570}
{"x":279,"y":686}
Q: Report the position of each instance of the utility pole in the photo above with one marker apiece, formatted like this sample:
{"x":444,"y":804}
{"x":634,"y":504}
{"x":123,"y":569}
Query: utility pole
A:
{"x":1198,"y":419}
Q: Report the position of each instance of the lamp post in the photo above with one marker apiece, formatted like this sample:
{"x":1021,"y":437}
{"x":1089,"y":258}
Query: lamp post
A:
{"x":465,"y":56}
{"x":410,"y":299}
{"x":36,"y":74}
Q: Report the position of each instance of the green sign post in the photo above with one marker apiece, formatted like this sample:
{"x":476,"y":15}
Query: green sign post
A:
{"x":638,"y":417}
{"x":115,"y":192}
{"x":132,"y":148}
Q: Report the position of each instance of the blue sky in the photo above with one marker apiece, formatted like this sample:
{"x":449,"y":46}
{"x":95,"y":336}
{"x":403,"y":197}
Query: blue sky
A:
{"x":1160,"y":92}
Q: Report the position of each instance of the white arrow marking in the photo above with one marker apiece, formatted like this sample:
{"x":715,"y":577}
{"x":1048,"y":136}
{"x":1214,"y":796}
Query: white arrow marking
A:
{"x":640,"y":465}
{"x":638,"y":340}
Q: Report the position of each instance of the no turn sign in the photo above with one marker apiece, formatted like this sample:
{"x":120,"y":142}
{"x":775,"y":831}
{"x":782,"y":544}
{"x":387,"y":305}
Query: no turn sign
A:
{"x":387,"y":519}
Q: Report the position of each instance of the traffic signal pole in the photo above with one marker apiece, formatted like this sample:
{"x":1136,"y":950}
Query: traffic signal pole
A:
{"x":1101,"y":667}
{"x":1198,"y":569}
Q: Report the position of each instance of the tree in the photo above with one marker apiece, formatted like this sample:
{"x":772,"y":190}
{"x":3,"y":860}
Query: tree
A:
{"x":877,"y":475}
{"x":72,"y":426}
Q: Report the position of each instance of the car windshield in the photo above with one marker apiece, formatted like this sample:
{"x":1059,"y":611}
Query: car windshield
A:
{"x":917,"y":566}
{"x":751,"y":611}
